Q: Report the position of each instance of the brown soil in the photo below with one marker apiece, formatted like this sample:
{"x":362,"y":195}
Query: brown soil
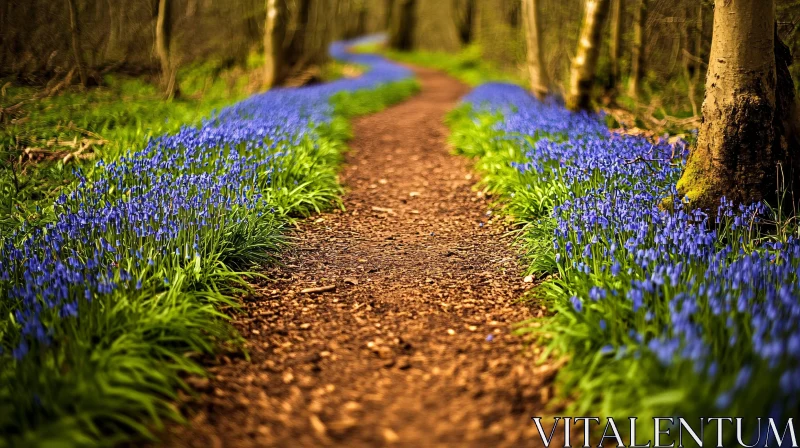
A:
{"x":414,"y":345}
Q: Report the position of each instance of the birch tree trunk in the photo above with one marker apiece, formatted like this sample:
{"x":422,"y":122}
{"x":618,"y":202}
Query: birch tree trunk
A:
{"x":163,"y":48}
{"x":637,"y":50}
{"x":615,"y":53}
{"x":749,"y":111}
{"x":584,"y":65}
{"x":75,"y":31}
{"x":532,"y":19}
{"x":274,"y":31}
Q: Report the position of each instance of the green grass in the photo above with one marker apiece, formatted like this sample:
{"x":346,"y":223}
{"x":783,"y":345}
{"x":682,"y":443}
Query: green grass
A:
{"x":113,"y":373}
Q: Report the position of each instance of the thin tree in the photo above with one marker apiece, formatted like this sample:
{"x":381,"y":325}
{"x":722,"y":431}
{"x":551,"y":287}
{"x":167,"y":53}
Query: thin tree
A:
{"x":615,"y":53}
{"x":274,"y":31}
{"x":532,"y":18}
{"x":77,"y":51}
{"x":637,"y":49}
{"x":747,"y":144}
{"x":584,"y":65}
{"x":164,"y":48}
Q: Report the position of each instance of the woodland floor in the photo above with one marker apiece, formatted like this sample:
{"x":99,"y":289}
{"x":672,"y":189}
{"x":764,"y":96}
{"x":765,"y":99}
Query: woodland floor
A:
{"x":414,"y":346}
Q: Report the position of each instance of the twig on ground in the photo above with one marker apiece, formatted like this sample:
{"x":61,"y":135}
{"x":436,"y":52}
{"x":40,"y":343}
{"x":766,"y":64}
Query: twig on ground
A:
{"x":319,"y":289}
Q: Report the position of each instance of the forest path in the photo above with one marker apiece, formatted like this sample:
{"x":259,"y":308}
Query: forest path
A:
{"x":413,"y":348}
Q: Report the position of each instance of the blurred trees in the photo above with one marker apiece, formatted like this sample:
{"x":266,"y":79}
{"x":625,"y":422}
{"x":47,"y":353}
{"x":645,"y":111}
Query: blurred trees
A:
{"x":638,"y":60}
{"x":75,"y":31}
{"x":45,"y":42}
{"x":652,"y":55}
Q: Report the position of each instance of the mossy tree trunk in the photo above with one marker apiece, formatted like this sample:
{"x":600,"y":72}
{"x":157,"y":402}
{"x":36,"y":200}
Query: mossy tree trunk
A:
{"x":748,"y":134}
{"x":532,"y":19}
{"x":164,"y":49}
{"x":615,"y":51}
{"x":403,"y":21}
{"x":584,"y":65}
{"x":638,"y":49}
{"x":77,"y":50}
{"x":274,"y":31}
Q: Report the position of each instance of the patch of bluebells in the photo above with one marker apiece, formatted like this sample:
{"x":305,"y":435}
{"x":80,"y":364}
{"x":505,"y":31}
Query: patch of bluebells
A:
{"x":163,"y":205}
{"x":719,"y":297}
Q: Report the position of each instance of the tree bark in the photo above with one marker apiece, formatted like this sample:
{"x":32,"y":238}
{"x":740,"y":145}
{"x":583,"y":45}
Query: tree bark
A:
{"x":401,"y":31}
{"x":75,"y":31}
{"x":615,"y":53}
{"x":749,"y":112}
{"x":163,"y":48}
{"x":532,"y":18}
{"x":584,"y":65}
{"x":637,"y":50}
{"x":274,"y":31}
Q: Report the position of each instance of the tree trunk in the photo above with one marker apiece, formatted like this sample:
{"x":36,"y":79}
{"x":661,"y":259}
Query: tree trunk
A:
{"x":466,"y":22}
{"x":163,"y":48}
{"x":112,"y":51}
{"x":637,"y":51}
{"x":532,"y":18}
{"x":361,"y":24}
{"x":585,"y":63}
{"x":749,"y":111}
{"x":616,"y":45}
{"x":401,"y":31}
{"x":298,"y":50}
{"x":75,"y":30}
{"x":274,"y":31}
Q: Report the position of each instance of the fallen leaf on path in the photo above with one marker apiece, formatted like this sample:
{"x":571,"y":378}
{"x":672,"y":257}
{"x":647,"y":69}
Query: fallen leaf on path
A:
{"x":351,"y":281}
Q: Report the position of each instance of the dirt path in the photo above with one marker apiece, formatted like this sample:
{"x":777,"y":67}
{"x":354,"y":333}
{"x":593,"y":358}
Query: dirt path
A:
{"x":413,"y":347}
